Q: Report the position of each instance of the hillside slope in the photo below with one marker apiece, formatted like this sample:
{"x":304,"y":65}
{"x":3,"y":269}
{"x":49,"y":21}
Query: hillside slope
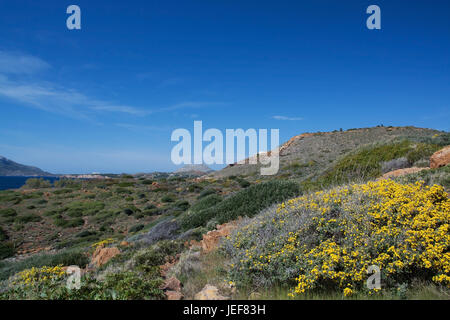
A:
{"x":310,"y":153}
{"x":11,"y":168}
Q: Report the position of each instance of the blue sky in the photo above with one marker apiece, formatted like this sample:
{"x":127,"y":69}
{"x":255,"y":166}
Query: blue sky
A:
{"x":107,"y":97}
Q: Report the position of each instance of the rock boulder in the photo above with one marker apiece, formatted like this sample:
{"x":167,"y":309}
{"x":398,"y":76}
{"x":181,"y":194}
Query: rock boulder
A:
{"x":174,"y":295}
{"x":172,"y":284}
{"x":209,"y":292}
{"x":401,"y":172}
{"x":440,"y":158}
{"x":103,"y":255}
{"x":211,"y":239}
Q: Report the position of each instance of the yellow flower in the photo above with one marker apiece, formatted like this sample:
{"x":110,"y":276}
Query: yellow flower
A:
{"x":348,"y":292}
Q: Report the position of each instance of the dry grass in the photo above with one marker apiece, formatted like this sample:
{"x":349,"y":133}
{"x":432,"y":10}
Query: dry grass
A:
{"x":211,"y":269}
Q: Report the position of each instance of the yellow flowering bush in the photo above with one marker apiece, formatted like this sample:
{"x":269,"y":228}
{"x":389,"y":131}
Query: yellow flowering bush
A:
{"x":328,"y":239}
{"x":102,"y":243}
{"x":38,"y":276}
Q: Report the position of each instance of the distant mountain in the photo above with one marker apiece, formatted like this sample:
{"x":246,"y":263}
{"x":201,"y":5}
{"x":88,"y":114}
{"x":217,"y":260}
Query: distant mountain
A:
{"x":11,"y":168}
{"x":194,"y":168}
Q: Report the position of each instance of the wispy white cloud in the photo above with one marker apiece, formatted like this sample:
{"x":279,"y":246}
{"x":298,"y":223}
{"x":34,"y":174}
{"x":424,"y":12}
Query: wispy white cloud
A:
{"x":19,"y":63}
{"x":118,"y":108}
{"x":16,"y":84}
{"x":287,"y":118}
{"x":50,"y":97}
{"x":44,"y":97}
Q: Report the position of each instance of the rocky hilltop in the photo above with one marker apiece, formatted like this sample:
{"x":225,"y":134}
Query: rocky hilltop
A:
{"x":313,"y":152}
{"x":11,"y":168}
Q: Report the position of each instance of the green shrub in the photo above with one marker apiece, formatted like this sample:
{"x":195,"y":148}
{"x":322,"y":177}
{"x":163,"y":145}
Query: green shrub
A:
{"x":59,"y":221}
{"x":3,"y":235}
{"x":62,"y":191}
{"x":175,"y":212}
{"x":74,"y":213}
{"x":65,"y":258}
{"x":67,"y":183}
{"x":153,"y":212}
{"x":106,"y":227}
{"x":6,"y":213}
{"x":182,"y":205}
{"x":442,"y":139}
{"x":161,"y":189}
{"x":155,"y":256}
{"x":126,"y":184}
{"x":18,"y":226}
{"x":108,"y":215}
{"x":136,"y":228}
{"x":84,"y":208}
{"x":197,"y":233}
{"x":36,"y":183}
{"x":205,"y":193}
{"x":130,"y":285}
{"x":51,"y":213}
{"x":421,"y":151}
{"x":195,"y":188}
{"x":167,"y":198}
{"x":84,"y":234}
{"x":123,"y":191}
{"x":26,"y":218}
{"x":128,"y":211}
{"x":197,"y":219}
{"x":139,"y":215}
{"x":246,"y":202}
{"x":206,"y":202}
{"x":10,"y":196}
{"x":105,"y":195}
{"x":33,"y":195}
{"x":244,"y":183}
{"x":6,"y":250}
{"x":72,"y":223}
{"x":366,"y":163}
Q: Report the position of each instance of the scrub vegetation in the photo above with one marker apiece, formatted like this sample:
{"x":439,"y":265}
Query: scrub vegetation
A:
{"x":309,"y":232}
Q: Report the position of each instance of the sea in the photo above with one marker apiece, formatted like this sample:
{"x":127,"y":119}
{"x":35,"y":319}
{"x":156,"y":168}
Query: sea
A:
{"x":17,"y":182}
